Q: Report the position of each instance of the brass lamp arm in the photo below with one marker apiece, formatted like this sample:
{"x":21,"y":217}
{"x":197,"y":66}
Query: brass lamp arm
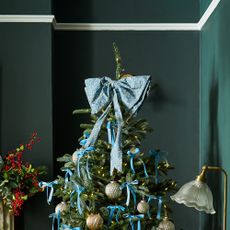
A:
{"x":201,"y":177}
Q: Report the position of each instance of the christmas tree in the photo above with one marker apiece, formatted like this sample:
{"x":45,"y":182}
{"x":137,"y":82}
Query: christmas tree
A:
{"x":109,"y":182}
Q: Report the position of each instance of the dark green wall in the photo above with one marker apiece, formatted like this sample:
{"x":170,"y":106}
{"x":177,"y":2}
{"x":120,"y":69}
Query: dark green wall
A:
{"x":215,"y":106}
{"x":126,"y":11}
{"x":25,"y":7}
{"x":172,"y":58}
{"x":26,"y":104}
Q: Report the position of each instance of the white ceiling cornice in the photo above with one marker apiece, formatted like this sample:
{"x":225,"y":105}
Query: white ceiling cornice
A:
{"x":113,"y":26}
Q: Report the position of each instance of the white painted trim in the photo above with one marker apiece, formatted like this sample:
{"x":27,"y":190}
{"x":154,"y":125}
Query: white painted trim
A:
{"x":208,"y":13}
{"x":126,"y":26}
{"x":114,"y":26}
{"x":27,"y":18}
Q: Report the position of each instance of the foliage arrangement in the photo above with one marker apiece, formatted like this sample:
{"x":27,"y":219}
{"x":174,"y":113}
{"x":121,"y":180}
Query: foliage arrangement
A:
{"x":19,"y":179}
{"x":92,"y":197}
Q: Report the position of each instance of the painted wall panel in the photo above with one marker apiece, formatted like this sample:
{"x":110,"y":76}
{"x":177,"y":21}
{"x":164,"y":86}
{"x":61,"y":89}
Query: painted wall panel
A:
{"x":26,"y":104}
{"x":126,"y":11}
{"x":215,"y":106}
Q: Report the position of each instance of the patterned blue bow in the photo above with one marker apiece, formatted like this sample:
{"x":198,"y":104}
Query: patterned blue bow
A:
{"x":158,"y":157}
{"x":76,"y":189}
{"x":102,"y":93}
{"x":132,"y":155}
{"x":130,"y":188}
{"x":112,"y":210}
{"x":67,"y":227}
{"x":47,"y":185}
{"x":134,"y":217}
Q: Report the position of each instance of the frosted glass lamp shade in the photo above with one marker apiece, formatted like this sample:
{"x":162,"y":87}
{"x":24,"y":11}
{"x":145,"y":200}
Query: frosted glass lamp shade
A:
{"x":195,"y":194}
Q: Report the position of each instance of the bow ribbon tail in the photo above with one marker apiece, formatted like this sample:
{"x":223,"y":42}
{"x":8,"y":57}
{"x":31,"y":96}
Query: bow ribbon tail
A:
{"x":159,"y":208}
{"x":131,"y":223}
{"x":55,"y":216}
{"x":120,"y":208}
{"x":134,"y":196}
{"x":78,"y":164}
{"x":128,"y":195}
{"x":131,"y":164}
{"x":68,"y":174}
{"x":97,"y":127}
{"x":116,"y":153}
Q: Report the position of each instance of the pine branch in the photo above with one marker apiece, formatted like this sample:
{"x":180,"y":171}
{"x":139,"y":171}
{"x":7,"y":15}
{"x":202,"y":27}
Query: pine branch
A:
{"x":81,"y":111}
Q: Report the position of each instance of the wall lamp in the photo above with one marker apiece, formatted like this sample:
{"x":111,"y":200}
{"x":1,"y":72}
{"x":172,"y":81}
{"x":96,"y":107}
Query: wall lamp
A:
{"x":198,"y":195}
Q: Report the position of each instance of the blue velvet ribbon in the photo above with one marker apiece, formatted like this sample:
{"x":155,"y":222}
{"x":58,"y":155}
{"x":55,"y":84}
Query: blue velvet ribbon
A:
{"x":103,"y":93}
{"x":130,"y":189}
{"x":111,"y":132}
{"x":132,"y":155}
{"x":112,"y":210}
{"x":76,"y":189}
{"x":158,"y":157}
{"x":67,"y":227}
{"x":132,"y":217}
{"x":55,"y":216}
{"x":48,"y":185}
{"x":68,"y":175}
{"x":80,"y":153}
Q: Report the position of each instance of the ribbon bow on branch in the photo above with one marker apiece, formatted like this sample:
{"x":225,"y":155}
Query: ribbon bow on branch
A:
{"x":67,"y":227}
{"x":102,"y":93}
{"x":135,"y":217}
{"x":49,"y":189}
{"x":130,"y":189}
{"x":112,"y":210}
{"x":158,"y":155}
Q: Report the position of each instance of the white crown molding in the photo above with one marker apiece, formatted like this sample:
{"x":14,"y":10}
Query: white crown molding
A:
{"x":27,"y":18}
{"x":113,"y":26}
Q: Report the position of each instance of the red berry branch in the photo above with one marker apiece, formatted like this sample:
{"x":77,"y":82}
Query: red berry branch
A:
{"x":19,"y":179}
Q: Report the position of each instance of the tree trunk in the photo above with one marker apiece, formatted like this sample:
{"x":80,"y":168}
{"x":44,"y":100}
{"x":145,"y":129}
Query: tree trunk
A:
{"x":6,"y":218}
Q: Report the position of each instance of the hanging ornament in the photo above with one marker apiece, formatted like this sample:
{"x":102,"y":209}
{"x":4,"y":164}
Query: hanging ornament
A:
{"x":166,"y":224}
{"x":94,"y":221}
{"x":112,"y":190}
{"x":61,"y":207}
{"x":143,"y":207}
{"x":75,"y":156}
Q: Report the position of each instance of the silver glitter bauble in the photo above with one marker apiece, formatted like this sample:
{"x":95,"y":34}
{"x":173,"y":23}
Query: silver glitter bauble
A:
{"x":143,"y":207}
{"x":60,"y":207}
{"x":94,"y":221}
{"x":166,"y":224}
{"x":112,"y":190}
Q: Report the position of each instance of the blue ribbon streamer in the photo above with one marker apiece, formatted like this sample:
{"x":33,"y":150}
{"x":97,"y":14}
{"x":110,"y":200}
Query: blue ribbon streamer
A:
{"x":132,"y":155}
{"x":130,"y":189}
{"x":111,"y":132}
{"x":158,"y":157}
{"x":80,"y":153}
{"x":112,"y":210}
{"x":68,"y":175}
{"x":138,"y":217}
{"x":55,"y":216}
{"x":77,"y":189}
{"x":160,"y":201}
{"x":102,"y":93}
{"x":49,"y":194}
{"x":67,"y":227}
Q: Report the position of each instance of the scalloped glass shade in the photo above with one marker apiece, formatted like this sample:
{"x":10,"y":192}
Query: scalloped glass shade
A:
{"x":195,"y":194}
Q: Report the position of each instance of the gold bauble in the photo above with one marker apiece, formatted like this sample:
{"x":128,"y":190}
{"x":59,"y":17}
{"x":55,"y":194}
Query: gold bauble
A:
{"x":61,"y":207}
{"x":166,"y":224}
{"x":143,"y":207}
{"x":94,"y":221}
{"x":112,"y":190}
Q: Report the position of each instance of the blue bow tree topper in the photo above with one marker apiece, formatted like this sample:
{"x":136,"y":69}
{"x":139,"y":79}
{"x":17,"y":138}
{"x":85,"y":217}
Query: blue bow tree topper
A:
{"x":102,"y":94}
